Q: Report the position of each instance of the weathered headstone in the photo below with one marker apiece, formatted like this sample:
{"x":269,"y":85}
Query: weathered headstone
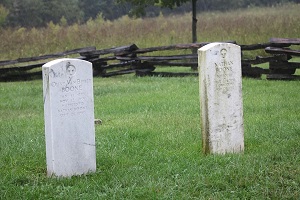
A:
{"x":69,"y":117}
{"x":221,"y":98}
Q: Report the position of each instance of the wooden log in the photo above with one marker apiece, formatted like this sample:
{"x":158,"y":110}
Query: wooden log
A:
{"x":287,"y":41}
{"x":172,"y":47}
{"x":260,"y":59}
{"x":284,"y":65}
{"x":144,"y":66}
{"x":175,"y":47}
{"x":122,"y":64}
{"x":126,"y":51}
{"x":21,"y":68}
{"x":132,"y":69}
{"x":252,"y":72}
{"x":246,"y":65}
{"x":160,"y":58}
{"x":181,"y":64}
{"x":164,"y":74}
{"x":254,"y":46}
{"x":282,"y":77}
{"x":283,"y":71}
{"x":274,"y":50}
{"x":116,"y":50}
{"x":47,"y":56}
{"x":100,"y":60}
{"x":99,"y":63}
{"x":98,"y":70}
{"x":281,"y":68}
{"x":22,"y":76}
{"x":121,"y":72}
{"x":251,"y":47}
{"x":25,"y":67}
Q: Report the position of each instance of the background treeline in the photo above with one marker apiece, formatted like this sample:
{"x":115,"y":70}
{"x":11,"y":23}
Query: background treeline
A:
{"x":38,"y":13}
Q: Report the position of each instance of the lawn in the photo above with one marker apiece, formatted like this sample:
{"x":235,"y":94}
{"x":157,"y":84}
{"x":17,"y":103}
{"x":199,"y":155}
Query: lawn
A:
{"x":149,"y":143}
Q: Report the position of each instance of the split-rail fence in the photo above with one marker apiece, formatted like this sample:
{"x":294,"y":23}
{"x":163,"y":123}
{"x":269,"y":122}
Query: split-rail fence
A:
{"x":277,"y":53}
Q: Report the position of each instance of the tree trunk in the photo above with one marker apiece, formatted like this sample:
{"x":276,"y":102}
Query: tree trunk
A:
{"x":194,"y":27}
{"x":194,"y":22}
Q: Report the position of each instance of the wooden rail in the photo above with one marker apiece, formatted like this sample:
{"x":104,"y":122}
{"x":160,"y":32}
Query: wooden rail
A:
{"x":131,"y":59}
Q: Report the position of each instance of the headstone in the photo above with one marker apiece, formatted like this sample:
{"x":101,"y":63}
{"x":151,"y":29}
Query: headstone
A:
{"x":69,"y":117}
{"x":221,"y":98}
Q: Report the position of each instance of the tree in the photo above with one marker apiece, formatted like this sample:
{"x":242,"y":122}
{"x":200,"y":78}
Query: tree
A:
{"x":3,"y":14}
{"x":91,"y":8}
{"x":107,"y":8}
{"x":54,"y":10}
{"x":37,"y":13}
{"x":139,"y":7}
{"x":25,"y":13}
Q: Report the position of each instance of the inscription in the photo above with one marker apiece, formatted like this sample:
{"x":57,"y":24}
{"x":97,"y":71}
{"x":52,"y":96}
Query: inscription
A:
{"x":71,"y":88}
{"x":70,"y":82}
{"x":224,"y":72}
{"x":72,"y":103}
{"x":72,"y":99}
{"x":224,"y":66}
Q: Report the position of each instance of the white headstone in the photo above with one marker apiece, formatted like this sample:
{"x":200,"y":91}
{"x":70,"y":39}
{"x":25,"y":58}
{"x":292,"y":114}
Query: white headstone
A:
{"x":69,"y":117}
{"x":221,"y":98}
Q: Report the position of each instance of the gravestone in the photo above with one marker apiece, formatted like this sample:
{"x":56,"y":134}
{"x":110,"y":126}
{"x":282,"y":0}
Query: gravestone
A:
{"x":69,"y":117}
{"x":221,"y":98}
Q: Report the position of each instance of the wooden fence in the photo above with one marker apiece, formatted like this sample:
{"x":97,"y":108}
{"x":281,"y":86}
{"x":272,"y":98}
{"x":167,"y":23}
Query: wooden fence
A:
{"x":131,"y":59}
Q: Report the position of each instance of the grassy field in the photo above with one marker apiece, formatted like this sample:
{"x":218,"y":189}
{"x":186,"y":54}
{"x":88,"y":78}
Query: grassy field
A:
{"x":149,"y":144}
{"x":251,"y":26}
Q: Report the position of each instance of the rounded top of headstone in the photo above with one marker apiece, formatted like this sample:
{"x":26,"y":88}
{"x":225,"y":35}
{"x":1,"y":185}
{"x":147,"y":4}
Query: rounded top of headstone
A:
{"x":218,"y":45}
{"x":65,"y":60}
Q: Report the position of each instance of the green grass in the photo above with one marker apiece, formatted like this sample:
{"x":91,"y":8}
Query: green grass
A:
{"x":149,"y":144}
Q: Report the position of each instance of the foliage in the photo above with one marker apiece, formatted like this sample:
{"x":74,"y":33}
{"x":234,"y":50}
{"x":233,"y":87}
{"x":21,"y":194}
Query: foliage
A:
{"x":108,"y":9}
{"x":247,"y":26}
{"x":69,"y":9}
{"x":3,"y":14}
{"x":139,"y":7}
{"x":37,"y":13}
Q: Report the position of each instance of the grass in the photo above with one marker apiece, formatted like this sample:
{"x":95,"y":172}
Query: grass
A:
{"x":149,"y":145}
